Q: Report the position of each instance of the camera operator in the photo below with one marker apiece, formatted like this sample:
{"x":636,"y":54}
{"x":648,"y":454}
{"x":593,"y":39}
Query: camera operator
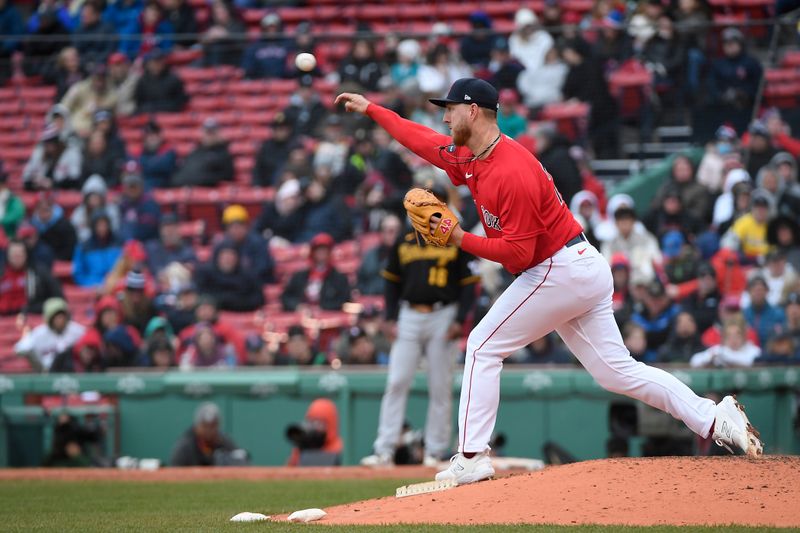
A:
{"x":204,"y":444}
{"x":316,"y":439}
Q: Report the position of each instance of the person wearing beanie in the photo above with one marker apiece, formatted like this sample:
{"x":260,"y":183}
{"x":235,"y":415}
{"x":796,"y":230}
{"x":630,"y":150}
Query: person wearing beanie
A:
{"x":122,"y":346}
{"x":57,"y":333}
{"x":137,"y":307}
{"x":95,"y":199}
{"x":319,"y":285}
{"x":96,"y":257}
{"x":252,"y":248}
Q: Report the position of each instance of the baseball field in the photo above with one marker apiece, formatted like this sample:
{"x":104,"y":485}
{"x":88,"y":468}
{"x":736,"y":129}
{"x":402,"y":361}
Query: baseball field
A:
{"x":653,"y":495}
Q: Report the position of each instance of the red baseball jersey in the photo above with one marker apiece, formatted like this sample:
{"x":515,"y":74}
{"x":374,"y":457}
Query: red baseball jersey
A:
{"x":515,"y":196}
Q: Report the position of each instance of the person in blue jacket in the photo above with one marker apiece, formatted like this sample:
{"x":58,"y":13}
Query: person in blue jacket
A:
{"x":95,"y":258}
{"x":148,"y":32}
{"x":158,"y":159}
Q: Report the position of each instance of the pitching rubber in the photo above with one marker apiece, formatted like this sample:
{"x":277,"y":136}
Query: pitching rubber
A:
{"x":424,"y":488}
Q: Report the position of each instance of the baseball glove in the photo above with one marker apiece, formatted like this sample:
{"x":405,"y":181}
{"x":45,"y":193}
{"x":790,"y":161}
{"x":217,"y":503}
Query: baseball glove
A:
{"x":421,"y":205}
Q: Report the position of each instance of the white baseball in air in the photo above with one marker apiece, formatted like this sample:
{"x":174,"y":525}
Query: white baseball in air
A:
{"x":306,"y":515}
{"x":305,"y":61}
{"x":249,"y":517}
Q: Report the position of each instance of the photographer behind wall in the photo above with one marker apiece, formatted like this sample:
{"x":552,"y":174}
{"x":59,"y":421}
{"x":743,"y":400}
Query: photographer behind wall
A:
{"x":204,"y":444}
{"x":316,"y":439}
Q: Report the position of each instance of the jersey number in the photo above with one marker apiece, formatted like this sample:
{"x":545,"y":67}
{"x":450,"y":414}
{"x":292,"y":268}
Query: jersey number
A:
{"x":437,"y":277}
{"x":558,"y":194}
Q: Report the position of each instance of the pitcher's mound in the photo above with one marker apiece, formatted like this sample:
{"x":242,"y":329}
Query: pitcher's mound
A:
{"x":670,"y":490}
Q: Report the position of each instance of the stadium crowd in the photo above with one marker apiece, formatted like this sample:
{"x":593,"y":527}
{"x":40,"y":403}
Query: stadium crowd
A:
{"x":708,"y":276}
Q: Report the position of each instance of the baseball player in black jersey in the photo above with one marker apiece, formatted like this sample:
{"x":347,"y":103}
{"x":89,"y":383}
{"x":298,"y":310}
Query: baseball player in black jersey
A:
{"x":429,"y":292}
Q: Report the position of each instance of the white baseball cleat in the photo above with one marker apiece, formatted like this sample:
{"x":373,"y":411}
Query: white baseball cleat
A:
{"x":463,"y":470}
{"x":732,"y":428}
{"x":378,"y":459}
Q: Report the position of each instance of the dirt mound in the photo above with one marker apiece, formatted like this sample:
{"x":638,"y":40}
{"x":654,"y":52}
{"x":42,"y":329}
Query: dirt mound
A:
{"x":676,"y":491}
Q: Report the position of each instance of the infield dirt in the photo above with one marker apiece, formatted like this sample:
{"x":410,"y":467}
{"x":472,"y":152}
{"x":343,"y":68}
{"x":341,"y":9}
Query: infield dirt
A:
{"x":658,"y":491}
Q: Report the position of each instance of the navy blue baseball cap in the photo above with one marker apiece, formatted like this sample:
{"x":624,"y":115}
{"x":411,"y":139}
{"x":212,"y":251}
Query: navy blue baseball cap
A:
{"x":470,"y":91}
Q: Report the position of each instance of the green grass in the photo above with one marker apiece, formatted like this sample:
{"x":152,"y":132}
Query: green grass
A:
{"x":206,"y":506}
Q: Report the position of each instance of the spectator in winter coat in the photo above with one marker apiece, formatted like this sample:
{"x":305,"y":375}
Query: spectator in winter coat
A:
{"x":529,"y":43}
{"x":148,"y":32}
{"x":324,"y":212}
{"x":783,"y":233}
{"x":204,"y":444}
{"x":759,"y":147}
{"x":24,"y":286}
{"x":703,"y":303}
{"x":11,"y":25}
{"x":123,"y":15}
{"x":305,"y":111}
{"x":53,"y":227}
{"x":268,"y":57}
{"x":252,"y":248}
{"x":159,"y":90}
{"x":209,"y":163}
{"x":158,"y":160}
{"x":636,"y":243}
{"x":139,"y":211}
{"x":220,"y":45}
{"x":122,"y":346}
{"x":733,"y":79}
{"x":683,"y":341}
{"x":233,"y":287}
{"x":543,"y":85}
{"x":273,"y":153}
{"x":54,"y":164}
{"x":694,"y":197}
{"x":39,"y":253}
{"x":168,"y":248}
{"x":95,"y":258}
{"x":205,"y":310}
{"x":86,"y":355}
{"x":586,"y":210}
{"x":98,"y":160}
{"x":206,"y":349}
{"x":182,"y":17}
{"x":12,"y":210}
{"x":656,"y":315}
{"x":65,"y":69}
{"x":475,"y":48}
{"x":87,"y":97}
{"x":735,"y":350}
{"x":95,"y":39}
{"x":56,"y":334}
{"x":282,"y":218}
{"x":321,"y":284}
{"x":137,"y":307}
{"x":553,"y":152}
{"x":671,"y":215}
{"x":361,"y":69}
{"x":374,"y":261}
{"x":785,"y":166}
{"x":95,"y":199}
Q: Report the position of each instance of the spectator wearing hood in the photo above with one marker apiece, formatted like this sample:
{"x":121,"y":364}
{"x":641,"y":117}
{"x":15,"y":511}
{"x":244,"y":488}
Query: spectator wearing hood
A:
{"x":361,"y":69}
{"x":24,"y":285}
{"x":734,"y":349}
{"x":206,"y":349}
{"x":273,"y":153}
{"x":95,"y":258}
{"x":748,"y":234}
{"x":95,"y":39}
{"x":86,"y":97}
{"x":121,"y":346}
{"x":584,"y":207}
{"x":733,"y":78}
{"x":694,"y":197}
{"x":150,"y":31}
{"x":158,"y":159}
{"x":322,"y":420}
{"x":12,"y":210}
{"x":85,"y":356}
{"x":305,"y":111}
{"x":786,"y":167}
{"x":159,"y":344}
{"x":53,"y":227}
{"x":169,"y":247}
{"x":252,"y":248}
{"x":140,"y":214}
{"x":233,"y":287}
{"x":55,"y":335}
{"x":107,"y":314}
{"x":282,"y":218}
{"x":720,"y":157}
{"x":476,"y":46}
{"x":159,"y":90}
{"x":543,"y":85}
{"x":765,"y":318}
{"x":95,"y":199}
{"x":53,"y":164}
{"x":552,"y":150}
{"x":725,"y":206}
{"x":586,"y":82}
{"x":671,"y":215}
{"x":783,"y":233}
{"x":319,"y":285}
{"x":324,"y":212}
{"x":268,"y":57}
{"x":529,"y":43}
{"x":404,"y":70}
{"x":209,"y":163}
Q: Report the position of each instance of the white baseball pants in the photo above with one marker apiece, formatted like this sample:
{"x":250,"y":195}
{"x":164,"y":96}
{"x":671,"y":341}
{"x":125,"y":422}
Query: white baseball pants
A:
{"x":571,"y":294}
{"x":419,"y":333}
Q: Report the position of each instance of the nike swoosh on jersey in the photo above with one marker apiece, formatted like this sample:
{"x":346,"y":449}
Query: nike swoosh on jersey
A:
{"x":468,"y":175}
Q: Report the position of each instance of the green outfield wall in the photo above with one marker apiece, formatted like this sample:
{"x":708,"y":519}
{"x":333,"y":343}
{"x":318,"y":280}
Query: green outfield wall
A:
{"x":148,"y":411}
